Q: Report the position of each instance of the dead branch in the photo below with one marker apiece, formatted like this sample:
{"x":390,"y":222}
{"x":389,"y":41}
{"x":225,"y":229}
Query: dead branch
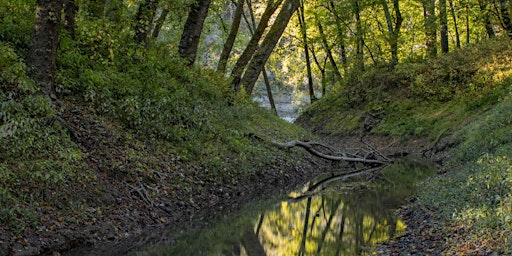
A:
{"x":343,"y":157}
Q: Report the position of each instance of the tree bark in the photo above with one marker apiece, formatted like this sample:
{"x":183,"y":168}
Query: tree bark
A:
{"x":443,"y":26}
{"x":252,"y":27}
{"x":160,"y":22}
{"x":393,"y":32}
{"x":328,"y":51}
{"x":230,"y":41}
{"x":70,"y":10}
{"x":359,"y":36}
{"x":189,"y":42}
{"x":267,"y":46}
{"x":454,"y":17}
{"x":251,"y":47}
{"x":430,"y":27}
{"x":143,"y":20}
{"x":341,"y":35}
{"x":303,"y":30}
{"x":43,"y":46}
{"x":486,"y":18}
{"x":505,"y":16}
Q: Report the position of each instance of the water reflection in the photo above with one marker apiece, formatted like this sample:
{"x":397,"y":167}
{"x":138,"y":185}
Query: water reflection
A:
{"x":332,"y":222}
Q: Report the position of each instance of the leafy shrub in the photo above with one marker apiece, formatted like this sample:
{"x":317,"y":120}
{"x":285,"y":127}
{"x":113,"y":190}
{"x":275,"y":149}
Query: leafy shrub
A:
{"x":36,"y":152}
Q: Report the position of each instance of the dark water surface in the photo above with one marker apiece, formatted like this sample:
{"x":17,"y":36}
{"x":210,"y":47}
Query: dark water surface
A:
{"x":341,"y":217}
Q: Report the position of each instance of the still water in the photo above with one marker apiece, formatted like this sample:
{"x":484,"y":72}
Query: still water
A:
{"x":327,"y":216}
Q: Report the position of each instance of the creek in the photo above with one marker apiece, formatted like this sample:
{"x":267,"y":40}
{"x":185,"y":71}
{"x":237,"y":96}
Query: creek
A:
{"x":343,"y":217}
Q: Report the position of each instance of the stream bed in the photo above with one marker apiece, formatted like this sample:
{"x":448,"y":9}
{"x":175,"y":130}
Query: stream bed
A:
{"x":338,"y":217}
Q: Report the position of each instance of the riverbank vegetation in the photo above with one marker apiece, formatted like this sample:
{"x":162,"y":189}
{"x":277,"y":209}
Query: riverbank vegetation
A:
{"x":120,"y":117}
{"x":461,"y":102}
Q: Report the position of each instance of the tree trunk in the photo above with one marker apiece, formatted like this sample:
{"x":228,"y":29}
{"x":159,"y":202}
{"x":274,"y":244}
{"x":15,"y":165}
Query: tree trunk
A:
{"x":70,"y":10}
{"x":394,"y":32}
{"x":252,"y":27}
{"x":43,"y":46}
{"x":143,"y":20}
{"x":303,"y":30}
{"x":328,"y":51}
{"x":302,"y":249}
{"x":430,"y":27}
{"x":251,"y":47}
{"x":467,"y":22}
{"x":457,"y":36}
{"x":160,"y":21}
{"x":230,"y":41}
{"x":267,"y":46}
{"x":322,"y":70}
{"x":269,"y":92}
{"x":189,"y":42}
{"x":505,"y":15}
{"x":341,"y":35}
{"x":486,"y":18}
{"x":359,"y":36}
{"x":443,"y":26}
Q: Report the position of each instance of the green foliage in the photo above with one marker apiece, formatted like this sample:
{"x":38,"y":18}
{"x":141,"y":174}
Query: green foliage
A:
{"x":16,"y":21}
{"x":425,"y":98}
{"x":492,"y":133}
{"x":36,"y":152}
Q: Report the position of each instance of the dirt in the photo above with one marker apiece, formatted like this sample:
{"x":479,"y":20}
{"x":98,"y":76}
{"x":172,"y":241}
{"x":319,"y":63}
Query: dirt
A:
{"x":120,"y":213}
{"x":120,"y":219}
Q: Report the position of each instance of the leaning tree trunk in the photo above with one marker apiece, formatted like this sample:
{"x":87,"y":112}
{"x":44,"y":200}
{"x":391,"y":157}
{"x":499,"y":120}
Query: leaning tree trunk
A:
{"x":230,"y":41}
{"x":303,"y":30}
{"x":189,"y":42}
{"x":251,"y":47}
{"x":252,"y":27}
{"x":160,"y":21}
{"x":43,"y":46}
{"x":267,"y":46}
{"x":328,"y":51}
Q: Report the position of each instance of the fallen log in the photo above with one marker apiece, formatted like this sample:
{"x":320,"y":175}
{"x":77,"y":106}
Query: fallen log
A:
{"x":373,"y":157}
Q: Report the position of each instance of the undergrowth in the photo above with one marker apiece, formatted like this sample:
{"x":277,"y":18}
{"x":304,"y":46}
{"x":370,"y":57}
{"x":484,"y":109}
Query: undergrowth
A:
{"x":464,"y":97}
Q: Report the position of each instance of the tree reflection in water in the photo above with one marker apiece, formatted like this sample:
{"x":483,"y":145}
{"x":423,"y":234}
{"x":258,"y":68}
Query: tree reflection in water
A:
{"x":328,"y":222}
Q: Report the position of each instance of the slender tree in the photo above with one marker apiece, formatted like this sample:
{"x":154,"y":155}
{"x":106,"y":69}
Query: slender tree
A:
{"x":303,"y":30}
{"x":393,"y":29}
{"x":143,"y":20}
{"x":160,"y":21}
{"x":505,"y":16}
{"x":359,"y":35}
{"x":443,"y":26}
{"x":70,"y":10}
{"x":430,"y":27}
{"x":267,"y":46}
{"x":328,"y":51}
{"x":455,"y":25}
{"x":230,"y":41}
{"x":486,"y":16}
{"x":43,"y":46}
{"x":191,"y":34}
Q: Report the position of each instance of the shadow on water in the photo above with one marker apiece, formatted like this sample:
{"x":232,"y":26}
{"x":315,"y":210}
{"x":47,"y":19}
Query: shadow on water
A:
{"x":345,"y":217}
